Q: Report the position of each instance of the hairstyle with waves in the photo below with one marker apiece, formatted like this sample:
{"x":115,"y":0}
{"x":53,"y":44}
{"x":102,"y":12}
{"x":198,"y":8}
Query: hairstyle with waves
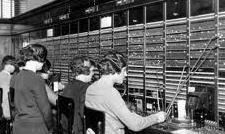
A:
{"x":112,"y":63}
{"x":8,"y":59}
{"x":36,"y":52}
{"x":78,"y":67}
{"x":46,"y":66}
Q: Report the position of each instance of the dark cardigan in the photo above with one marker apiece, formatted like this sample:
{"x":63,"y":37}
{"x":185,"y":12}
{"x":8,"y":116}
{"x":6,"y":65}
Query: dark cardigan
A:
{"x":76,"y":90}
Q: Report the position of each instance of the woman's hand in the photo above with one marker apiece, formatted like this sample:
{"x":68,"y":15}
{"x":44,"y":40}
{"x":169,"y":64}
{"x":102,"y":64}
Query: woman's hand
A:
{"x":161,"y":116}
{"x":61,"y":86}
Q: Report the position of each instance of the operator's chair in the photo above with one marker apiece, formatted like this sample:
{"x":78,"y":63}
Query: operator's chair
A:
{"x":12,"y":108}
{"x":1,"y":112}
{"x":95,"y":120}
{"x":2,"y":121}
{"x":65,"y":112}
{"x":11,"y":95}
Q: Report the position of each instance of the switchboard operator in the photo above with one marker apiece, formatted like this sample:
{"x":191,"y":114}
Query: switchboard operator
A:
{"x":33,"y":112}
{"x":101,"y":95}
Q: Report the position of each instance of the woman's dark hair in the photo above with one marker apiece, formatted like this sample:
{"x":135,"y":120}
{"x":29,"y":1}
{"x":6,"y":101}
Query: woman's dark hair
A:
{"x":8,"y":59}
{"x":112,"y":63}
{"x":77,"y":65}
{"x":34,"y":52}
{"x":20,"y":64}
{"x":46,"y":66}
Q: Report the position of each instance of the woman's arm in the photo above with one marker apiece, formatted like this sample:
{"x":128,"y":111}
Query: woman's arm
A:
{"x":52,"y":96}
{"x":131,"y":120}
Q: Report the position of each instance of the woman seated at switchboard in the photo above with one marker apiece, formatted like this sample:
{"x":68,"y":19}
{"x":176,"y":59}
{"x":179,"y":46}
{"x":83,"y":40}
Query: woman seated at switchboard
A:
{"x":82,"y":68}
{"x":101,"y":95}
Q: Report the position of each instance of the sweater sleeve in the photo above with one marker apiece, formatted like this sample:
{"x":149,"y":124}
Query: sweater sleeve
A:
{"x":52,"y":97}
{"x":41,"y":99}
{"x":5,"y":101}
{"x":133,"y":121}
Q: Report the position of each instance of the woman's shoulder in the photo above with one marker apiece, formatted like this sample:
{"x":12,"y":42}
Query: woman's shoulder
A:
{"x":31,"y":76}
{"x":76,"y":84}
{"x":115,"y":91}
{"x":2,"y":75}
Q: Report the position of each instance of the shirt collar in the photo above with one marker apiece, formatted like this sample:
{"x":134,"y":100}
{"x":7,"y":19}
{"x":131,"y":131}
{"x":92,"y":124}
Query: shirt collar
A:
{"x":6,"y":72}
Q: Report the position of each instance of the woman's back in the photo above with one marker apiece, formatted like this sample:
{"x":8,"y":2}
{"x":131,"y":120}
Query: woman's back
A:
{"x":33,"y":113}
{"x":25,"y":84}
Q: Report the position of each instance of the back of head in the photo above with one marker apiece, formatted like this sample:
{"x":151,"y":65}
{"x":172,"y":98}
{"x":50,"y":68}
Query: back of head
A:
{"x":81,"y":65}
{"x":112,"y":63}
{"x":35,"y":52}
{"x":8,"y":59}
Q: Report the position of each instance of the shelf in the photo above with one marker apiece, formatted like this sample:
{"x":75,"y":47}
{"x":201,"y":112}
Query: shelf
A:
{"x":138,"y":80}
{"x":140,"y":58}
{"x":136,"y":43}
{"x":135,"y":86}
{"x":177,"y":41}
{"x":150,"y":34}
{"x":152,"y":86}
{"x":154,"y":51}
{"x":201,"y":39}
{"x":136,"y":27}
{"x":204,"y":82}
{"x":174,"y":33}
{"x":202,"y":30}
{"x":117,"y":38}
{"x":138,"y":66}
{"x":136,"y":94}
{"x":136,"y":71}
{"x":140,"y":76}
{"x":135,"y":36}
{"x":154,"y":72}
{"x":154,"y":43}
{"x":131,"y":50}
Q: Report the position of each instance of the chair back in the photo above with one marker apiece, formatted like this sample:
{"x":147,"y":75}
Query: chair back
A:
{"x":1,"y":94}
{"x":94,"y":120}
{"x":65,"y":108}
{"x":11,"y":95}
